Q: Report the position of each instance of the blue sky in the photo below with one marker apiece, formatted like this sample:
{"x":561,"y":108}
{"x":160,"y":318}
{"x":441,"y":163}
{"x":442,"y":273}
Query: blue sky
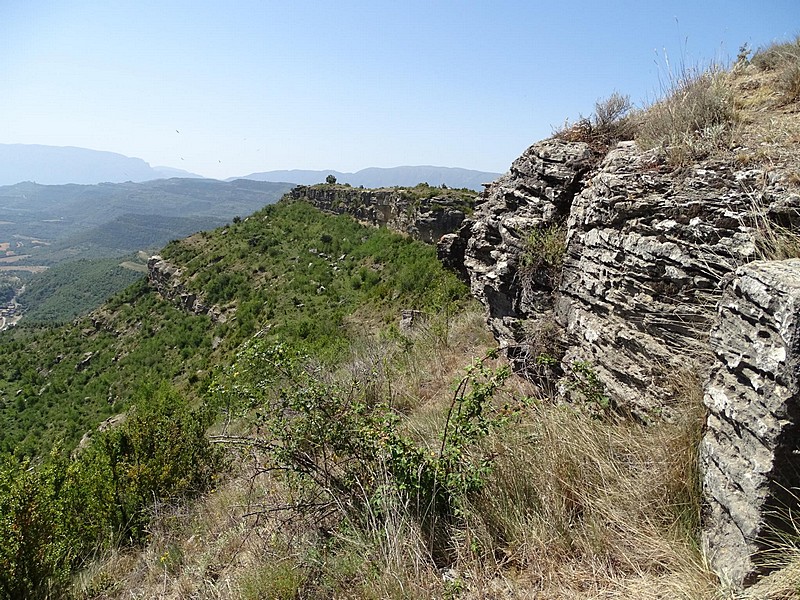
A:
{"x":230,"y":88}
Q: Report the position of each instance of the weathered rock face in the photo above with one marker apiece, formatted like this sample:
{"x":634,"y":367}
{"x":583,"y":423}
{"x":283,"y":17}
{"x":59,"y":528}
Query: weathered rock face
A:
{"x":535,"y":194}
{"x":166,"y":279}
{"x":646,"y":251}
{"x":749,"y":453}
{"x":426,"y":219}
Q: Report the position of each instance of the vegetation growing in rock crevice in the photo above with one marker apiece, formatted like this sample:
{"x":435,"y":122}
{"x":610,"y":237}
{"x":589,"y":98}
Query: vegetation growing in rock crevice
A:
{"x":542,"y":257}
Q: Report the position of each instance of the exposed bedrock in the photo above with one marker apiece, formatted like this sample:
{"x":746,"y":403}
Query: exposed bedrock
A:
{"x":423,"y":218}
{"x":535,"y":194}
{"x":646,"y":251}
{"x":167,"y":279}
{"x":749,"y":453}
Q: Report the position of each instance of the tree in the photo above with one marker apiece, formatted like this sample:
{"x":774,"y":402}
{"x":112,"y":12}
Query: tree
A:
{"x":330,"y":179}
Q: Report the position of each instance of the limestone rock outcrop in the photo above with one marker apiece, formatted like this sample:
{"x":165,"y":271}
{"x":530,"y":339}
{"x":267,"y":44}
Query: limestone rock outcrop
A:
{"x":423,"y":218}
{"x":646,"y":250}
{"x":166,"y":279}
{"x":647,"y":253}
{"x":749,"y":453}
{"x":490,"y":248}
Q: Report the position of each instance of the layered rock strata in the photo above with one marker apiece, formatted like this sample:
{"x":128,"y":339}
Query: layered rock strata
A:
{"x":166,"y":279}
{"x":646,"y":250}
{"x":423,"y":218}
{"x":491,"y":247}
{"x":749,"y":453}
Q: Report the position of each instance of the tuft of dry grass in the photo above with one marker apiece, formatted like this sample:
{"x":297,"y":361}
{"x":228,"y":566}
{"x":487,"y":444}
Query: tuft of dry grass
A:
{"x":695,"y":117}
{"x":579,"y":507}
{"x":773,"y":241}
{"x":613,"y":121}
{"x":784,"y":59}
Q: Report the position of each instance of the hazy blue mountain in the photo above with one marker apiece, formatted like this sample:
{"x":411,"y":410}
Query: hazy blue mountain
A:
{"x":375,"y":177}
{"x":170,"y":172}
{"x":55,"y":165}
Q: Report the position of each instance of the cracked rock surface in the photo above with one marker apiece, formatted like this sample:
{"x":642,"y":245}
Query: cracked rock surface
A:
{"x":749,"y":453}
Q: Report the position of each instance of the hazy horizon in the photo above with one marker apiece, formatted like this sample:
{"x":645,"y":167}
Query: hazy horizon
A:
{"x":224,"y":90}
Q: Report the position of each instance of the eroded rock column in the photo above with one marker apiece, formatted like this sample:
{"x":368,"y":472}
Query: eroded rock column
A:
{"x":751,"y":449}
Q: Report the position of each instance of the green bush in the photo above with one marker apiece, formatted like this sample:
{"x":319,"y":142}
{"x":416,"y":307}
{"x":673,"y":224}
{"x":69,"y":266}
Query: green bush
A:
{"x":58,"y":512}
{"x":342,"y":452}
{"x":161,"y":453}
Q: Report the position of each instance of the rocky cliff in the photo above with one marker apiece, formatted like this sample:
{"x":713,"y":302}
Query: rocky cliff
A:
{"x":423,"y":212}
{"x":166,"y":279}
{"x":644,"y":251}
{"x":607,"y":270}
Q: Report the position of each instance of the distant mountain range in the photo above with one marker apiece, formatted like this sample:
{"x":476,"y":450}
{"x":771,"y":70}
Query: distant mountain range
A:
{"x":375,"y":177}
{"x":57,"y":165}
{"x":110,"y":219}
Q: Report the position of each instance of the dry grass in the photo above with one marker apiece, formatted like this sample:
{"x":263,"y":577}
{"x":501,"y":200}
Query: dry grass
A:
{"x":784,"y":60}
{"x":613,"y":121}
{"x":574,"y":507}
{"x":580,"y":508}
{"x":695,"y":118}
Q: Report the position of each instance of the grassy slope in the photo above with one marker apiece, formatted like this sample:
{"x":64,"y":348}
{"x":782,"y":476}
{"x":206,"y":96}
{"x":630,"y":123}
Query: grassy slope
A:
{"x":68,"y":290}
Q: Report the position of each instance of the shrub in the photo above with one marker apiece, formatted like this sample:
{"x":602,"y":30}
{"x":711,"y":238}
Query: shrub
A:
{"x":776,"y":56}
{"x":611,"y":122}
{"x":161,"y":453}
{"x":343,"y":452}
{"x":56,"y":514}
{"x":543,"y":256}
{"x":783,"y":58}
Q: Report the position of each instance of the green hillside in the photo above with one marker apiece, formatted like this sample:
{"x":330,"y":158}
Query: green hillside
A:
{"x":81,"y":232}
{"x":290,"y":269}
{"x":68,"y":290}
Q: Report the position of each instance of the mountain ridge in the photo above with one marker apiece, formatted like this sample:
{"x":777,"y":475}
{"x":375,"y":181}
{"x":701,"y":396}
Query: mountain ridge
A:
{"x":63,"y":165}
{"x":57,"y":165}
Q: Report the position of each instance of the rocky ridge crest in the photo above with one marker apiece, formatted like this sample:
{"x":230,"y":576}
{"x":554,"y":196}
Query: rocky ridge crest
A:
{"x":647,"y":251}
{"x":423,"y":217}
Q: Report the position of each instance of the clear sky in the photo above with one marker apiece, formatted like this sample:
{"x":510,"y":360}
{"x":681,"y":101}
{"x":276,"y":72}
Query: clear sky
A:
{"x":232,"y":87}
